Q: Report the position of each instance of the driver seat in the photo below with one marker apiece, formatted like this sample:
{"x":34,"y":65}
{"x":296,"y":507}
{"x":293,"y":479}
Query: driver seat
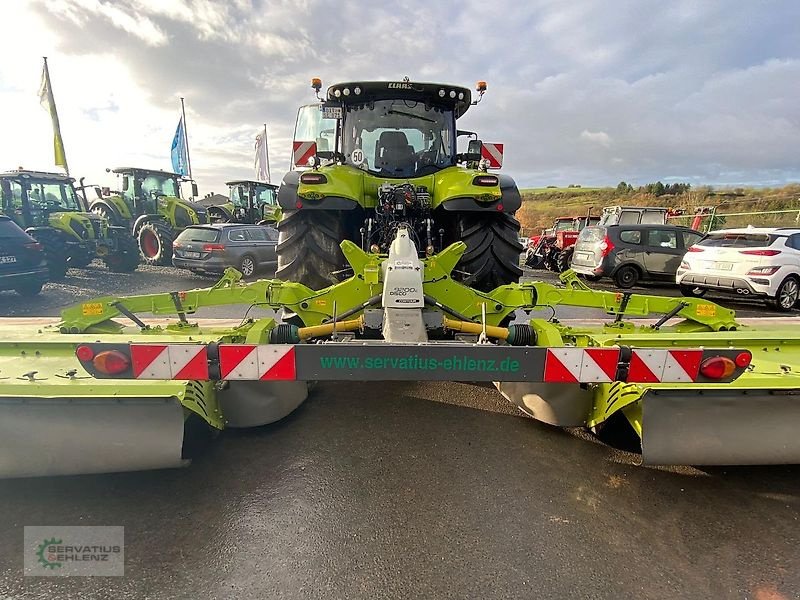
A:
{"x":393,"y":152}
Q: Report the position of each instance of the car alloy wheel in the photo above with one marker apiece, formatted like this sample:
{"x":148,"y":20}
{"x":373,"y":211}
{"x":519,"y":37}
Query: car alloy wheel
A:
{"x":788,"y":294}
{"x":247,"y":266}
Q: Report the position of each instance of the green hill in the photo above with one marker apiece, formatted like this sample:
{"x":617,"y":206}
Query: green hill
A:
{"x":541,"y":205}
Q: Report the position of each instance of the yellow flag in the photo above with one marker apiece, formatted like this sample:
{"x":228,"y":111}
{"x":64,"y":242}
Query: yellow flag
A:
{"x":48,"y":102}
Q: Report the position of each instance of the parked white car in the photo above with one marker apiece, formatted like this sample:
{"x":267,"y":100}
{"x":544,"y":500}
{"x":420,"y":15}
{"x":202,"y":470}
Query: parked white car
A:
{"x":758,"y":262}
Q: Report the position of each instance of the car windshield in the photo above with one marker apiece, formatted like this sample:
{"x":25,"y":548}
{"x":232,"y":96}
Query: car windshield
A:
{"x":162,"y":185}
{"x":398,"y":138}
{"x":198,"y":234}
{"x":53,"y":196}
{"x":722,"y":239}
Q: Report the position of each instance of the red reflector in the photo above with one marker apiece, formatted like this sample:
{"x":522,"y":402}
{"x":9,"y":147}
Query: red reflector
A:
{"x":760,"y":252}
{"x":313,"y":178}
{"x":500,"y":207}
{"x":694,"y":249}
{"x":84,"y":353}
{"x":111,"y":362}
{"x":484,"y":180}
{"x":298,"y":204}
{"x":719,"y":367}
{"x":212,"y":247}
{"x":743,"y":360}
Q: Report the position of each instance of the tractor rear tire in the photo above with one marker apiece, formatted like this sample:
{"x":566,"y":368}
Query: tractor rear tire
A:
{"x":155,"y":243}
{"x":125,"y":259}
{"x":492,"y":255}
{"x":563,"y":259}
{"x":55,"y":252}
{"x":29,"y":289}
{"x":308,"y":247}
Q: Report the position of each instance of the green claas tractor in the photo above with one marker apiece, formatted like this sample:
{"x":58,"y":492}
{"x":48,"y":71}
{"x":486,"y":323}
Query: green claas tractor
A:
{"x":249,"y":202}
{"x":376,"y":155}
{"x":47,"y":207}
{"x":150,"y":205}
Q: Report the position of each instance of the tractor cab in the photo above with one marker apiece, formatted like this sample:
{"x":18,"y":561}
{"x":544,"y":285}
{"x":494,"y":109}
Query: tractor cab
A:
{"x":31,"y":197}
{"x":393,"y":130}
{"x":251,"y":201}
{"x":142,"y":188}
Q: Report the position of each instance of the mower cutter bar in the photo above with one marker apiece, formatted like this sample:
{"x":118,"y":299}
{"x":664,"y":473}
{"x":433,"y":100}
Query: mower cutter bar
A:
{"x":380,"y":361}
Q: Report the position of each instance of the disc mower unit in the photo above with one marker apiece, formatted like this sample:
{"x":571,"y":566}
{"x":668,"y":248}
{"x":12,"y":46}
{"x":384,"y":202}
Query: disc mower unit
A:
{"x":145,"y":394}
{"x":48,"y":208}
{"x":150,"y":206}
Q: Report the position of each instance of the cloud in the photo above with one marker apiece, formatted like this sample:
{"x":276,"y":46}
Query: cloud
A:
{"x":583,"y":92}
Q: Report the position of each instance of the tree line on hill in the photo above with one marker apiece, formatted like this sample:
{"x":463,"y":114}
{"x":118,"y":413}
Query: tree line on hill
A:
{"x":656,"y":189}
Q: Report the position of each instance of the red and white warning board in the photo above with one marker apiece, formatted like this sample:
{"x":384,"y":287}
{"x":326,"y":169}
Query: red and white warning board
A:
{"x":493,"y":153}
{"x":302,"y":152}
{"x":169,"y":361}
{"x":581,"y":365}
{"x":652,"y":365}
{"x":265,"y":362}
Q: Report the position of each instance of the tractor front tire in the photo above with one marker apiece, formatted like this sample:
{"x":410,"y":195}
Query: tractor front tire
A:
{"x":55,"y":252}
{"x":308,"y":247}
{"x":155,"y":243}
{"x":103,"y":211}
{"x":492,"y":255}
{"x":125,"y":259}
{"x":563,"y":259}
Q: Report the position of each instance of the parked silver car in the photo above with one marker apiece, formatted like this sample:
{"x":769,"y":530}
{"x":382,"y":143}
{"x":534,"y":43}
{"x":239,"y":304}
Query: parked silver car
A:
{"x":213,"y":248}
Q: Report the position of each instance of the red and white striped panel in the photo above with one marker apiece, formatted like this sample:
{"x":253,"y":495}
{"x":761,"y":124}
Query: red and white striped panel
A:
{"x":302,"y":152}
{"x":650,"y":365}
{"x":493,"y":153}
{"x":581,"y":365}
{"x":251,"y":362}
{"x":169,"y":361}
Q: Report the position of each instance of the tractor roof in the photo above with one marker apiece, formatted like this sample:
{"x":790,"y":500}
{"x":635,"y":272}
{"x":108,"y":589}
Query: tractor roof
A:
{"x":251,"y":182}
{"x":140,"y":171}
{"x":453,"y":97}
{"x":39,"y":175}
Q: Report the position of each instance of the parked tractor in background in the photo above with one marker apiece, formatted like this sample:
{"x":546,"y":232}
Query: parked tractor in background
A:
{"x":390,"y":159}
{"x":48,"y":208}
{"x":253,"y":202}
{"x":151,"y":207}
{"x":553,"y":248}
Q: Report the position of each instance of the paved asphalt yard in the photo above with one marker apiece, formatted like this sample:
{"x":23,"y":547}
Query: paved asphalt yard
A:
{"x":406,"y":490}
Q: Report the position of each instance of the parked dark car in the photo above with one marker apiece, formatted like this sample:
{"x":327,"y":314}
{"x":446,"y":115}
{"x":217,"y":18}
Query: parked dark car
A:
{"x":632,"y":253}
{"x":213,"y":248}
{"x":22,"y":262}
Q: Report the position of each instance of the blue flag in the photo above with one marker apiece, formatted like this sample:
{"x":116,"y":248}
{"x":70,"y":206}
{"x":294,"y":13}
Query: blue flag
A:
{"x":180,"y":162}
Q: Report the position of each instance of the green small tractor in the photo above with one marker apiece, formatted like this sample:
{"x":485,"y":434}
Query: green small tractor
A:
{"x":377,"y":155}
{"x":151,"y":207}
{"x":48,"y":208}
{"x":249,"y":202}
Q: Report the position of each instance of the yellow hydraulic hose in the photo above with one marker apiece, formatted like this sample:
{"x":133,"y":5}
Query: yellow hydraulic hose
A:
{"x":476,"y":328}
{"x":327,"y":329}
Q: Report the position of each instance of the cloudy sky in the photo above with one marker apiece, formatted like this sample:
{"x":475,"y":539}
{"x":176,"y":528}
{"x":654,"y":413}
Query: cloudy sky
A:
{"x":580,"y":92}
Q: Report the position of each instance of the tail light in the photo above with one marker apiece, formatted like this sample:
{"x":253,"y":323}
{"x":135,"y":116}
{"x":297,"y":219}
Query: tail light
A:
{"x":111,"y":362}
{"x":606,"y":246}
{"x":485,"y":180}
{"x":694,"y":249}
{"x":719,"y":367}
{"x":763,"y":270}
{"x":213,"y":247}
{"x":313,"y":178}
{"x":760,"y":252}
{"x":685,"y":265}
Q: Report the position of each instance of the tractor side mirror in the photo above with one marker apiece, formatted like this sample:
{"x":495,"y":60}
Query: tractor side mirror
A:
{"x":105,"y":191}
{"x":194,"y":190}
{"x":474,"y":151}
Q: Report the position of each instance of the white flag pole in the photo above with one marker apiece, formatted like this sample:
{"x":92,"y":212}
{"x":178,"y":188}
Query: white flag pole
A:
{"x":266,"y":154}
{"x":186,"y":138}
